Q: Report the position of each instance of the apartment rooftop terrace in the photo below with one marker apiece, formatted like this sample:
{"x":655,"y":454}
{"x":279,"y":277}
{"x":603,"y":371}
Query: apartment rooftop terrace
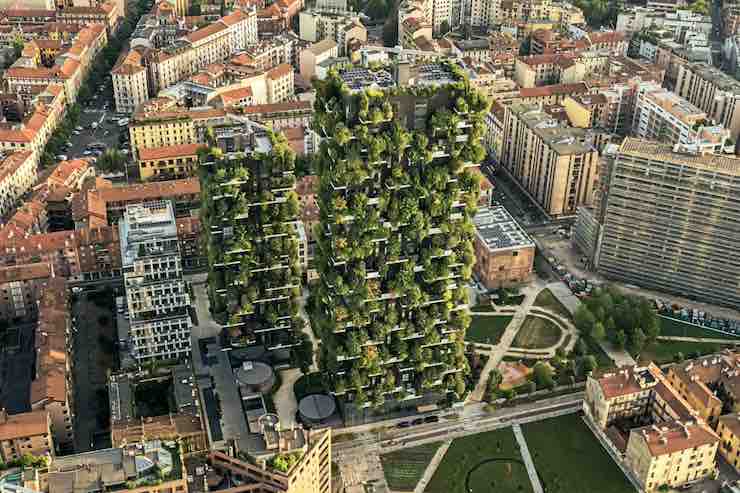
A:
{"x":498,"y":230}
{"x":563,"y":140}
{"x":657,"y":151}
{"x":426,"y":74}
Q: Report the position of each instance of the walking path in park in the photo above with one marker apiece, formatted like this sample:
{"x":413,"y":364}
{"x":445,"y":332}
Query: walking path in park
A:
{"x":527,"y":458}
{"x":496,"y":353}
{"x":432,"y":467}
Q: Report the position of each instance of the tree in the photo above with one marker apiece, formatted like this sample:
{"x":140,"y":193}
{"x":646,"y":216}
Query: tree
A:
{"x":444,"y":28}
{"x":111,"y":160}
{"x":222,"y":11}
{"x":588,"y":363}
{"x":621,"y":339}
{"x":638,"y":340}
{"x":584,"y":319}
{"x":580,"y":348}
{"x":543,"y":376}
{"x":599,"y":332}
{"x":678,"y":357}
{"x":700,"y":7}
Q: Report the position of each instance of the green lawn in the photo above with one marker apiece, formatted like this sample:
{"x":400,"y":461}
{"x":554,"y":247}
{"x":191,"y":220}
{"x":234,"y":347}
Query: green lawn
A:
{"x":602,"y":359}
{"x":546,"y":299}
{"x":569,"y":459}
{"x":404,"y":468}
{"x":505,"y":476}
{"x":487,"y":329}
{"x":484,"y":307}
{"x":536,"y":333}
{"x":673,"y":327}
{"x":664,"y":351}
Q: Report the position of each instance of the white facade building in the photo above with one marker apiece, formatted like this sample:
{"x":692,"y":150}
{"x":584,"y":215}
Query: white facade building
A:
{"x":156,"y":294}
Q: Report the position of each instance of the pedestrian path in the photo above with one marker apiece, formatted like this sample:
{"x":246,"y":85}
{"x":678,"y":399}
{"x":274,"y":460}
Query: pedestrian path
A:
{"x":432,"y":467}
{"x":712,"y":340}
{"x":527,"y":458}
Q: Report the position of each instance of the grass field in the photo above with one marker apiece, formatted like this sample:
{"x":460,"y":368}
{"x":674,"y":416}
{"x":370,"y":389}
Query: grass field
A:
{"x":404,"y":468}
{"x":536,"y":333}
{"x":487,"y":329}
{"x":486,"y":307}
{"x":506,"y":476}
{"x":546,"y":299}
{"x":664,"y":351}
{"x":672,"y":327}
{"x":561,"y":446}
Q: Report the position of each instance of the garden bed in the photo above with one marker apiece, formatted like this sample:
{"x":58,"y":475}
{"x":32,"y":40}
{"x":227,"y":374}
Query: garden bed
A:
{"x":545,"y":299}
{"x":536,"y":333}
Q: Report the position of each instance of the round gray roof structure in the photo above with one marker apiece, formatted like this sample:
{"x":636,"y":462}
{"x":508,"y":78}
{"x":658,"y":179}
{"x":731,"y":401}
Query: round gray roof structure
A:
{"x":254,"y":374}
{"x":317,"y":407}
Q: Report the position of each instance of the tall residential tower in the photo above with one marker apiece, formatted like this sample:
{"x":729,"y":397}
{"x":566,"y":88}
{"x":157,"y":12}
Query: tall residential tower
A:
{"x":396,"y":233}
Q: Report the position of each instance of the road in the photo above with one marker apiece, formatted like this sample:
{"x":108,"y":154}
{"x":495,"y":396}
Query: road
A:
{"x":474,"y":419}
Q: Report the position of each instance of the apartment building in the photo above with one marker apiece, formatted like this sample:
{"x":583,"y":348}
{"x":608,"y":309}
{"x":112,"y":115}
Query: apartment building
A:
{"x":130,"y":81}
{"x":554,"y":164}
{"x":281,"y":115}
{"x":636,"y":19}
{"x":168,"y":162}
{"x":52,"y":389}
{"x":714,"y":92}
{"x":21,"y":286}
{"x":504,"y":252}
{"x":341,"y":26}
{"x":100,"y":206}
{"x":728,"y":430}
{"x":182,"y":58}
{"x":17,"y":175}
{"x":666,"y":117}
{"x":156,"y":294}
{"x":176,"y":126}
{"x":25,"y":433}
{"x":115,"y":469}
{"x":375,"y":296}
{"x":311,"y":473}
{"x":658,"y":234}
{"x":624,"y":393}
{"x":316,"y":54}
{"x":672,"y":454}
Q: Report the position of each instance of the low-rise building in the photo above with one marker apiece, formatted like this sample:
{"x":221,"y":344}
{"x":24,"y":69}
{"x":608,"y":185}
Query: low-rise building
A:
{"x":672,"y":454}
{"x":168,"y":162}
{"x":504,"y":252}
{"x":25,"y":433}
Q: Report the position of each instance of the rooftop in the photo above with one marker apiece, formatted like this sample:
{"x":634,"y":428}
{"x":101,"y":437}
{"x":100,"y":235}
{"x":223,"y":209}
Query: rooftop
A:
{"x":563,"y":140}
{"x":675,"y":436}
{"x":498,"y":230}
{"x":668,"y":153}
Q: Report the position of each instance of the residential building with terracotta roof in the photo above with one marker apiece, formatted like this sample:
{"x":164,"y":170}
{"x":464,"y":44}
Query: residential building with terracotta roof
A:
{"x":168,"y":162}
{"x":17,"y":176}
{"x":728,"y":429}
{"x":106,"y":204}
{"x":672,"y":454}
{"x":52,"y":388}
{"x":21,"y":287}
{"x":280,"y":115}
{"x":25,"y":433}
{"x":541,"y":70}
{"x":139,"y":76}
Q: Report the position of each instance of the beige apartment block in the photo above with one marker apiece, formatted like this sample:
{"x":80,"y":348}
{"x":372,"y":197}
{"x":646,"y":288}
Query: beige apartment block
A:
{"x":672,"y":454}
{"x":554,"y":164}
{"x":715,"y":92}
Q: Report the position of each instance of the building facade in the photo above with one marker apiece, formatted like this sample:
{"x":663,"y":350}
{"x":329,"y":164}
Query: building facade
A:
{"x":156,"y":294}
{"x":651,"y":241}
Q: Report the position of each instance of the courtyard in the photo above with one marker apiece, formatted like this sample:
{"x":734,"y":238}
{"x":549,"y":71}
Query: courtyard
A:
{"x":536,"y":333}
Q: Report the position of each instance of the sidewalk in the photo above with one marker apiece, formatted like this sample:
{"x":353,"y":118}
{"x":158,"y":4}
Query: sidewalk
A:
{"x":527,"y":458}
{"x":432,"y":467}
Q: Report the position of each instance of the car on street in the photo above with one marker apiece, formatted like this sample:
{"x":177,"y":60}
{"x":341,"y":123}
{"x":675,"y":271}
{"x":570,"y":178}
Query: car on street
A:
{"x":61,"y":157}
{"x":78,"y":128}
{"x":431,"y":419}
{"x":417,"y":421}
{"x":403,"y":424}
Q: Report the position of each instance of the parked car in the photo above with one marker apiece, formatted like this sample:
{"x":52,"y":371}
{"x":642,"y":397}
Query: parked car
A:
{"x":431,"y":419}
{"x":403,"y":424}
{"x":417,"y":421}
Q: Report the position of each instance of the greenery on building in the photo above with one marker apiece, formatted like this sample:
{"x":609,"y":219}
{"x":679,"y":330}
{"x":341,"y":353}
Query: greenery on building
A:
{"x":285,"y":462}
{"x":395,"y":238}
{"x":249,"y":214}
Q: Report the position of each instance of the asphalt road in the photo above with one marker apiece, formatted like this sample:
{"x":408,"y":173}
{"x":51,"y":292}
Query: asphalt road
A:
{"x":101,"y":112}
